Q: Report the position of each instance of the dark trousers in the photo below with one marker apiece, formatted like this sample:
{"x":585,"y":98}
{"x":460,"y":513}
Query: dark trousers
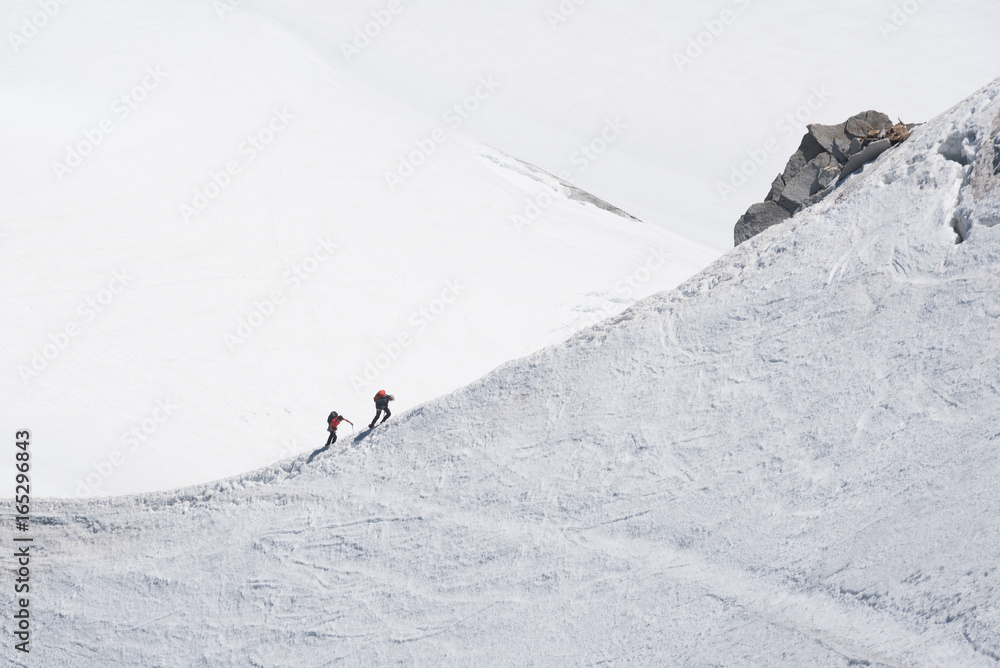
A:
{"x":333,"y":439}
{"x":378,"y":412}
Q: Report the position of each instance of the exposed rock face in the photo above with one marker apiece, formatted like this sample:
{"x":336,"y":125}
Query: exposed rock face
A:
{"x":827,"y":155}
{"x":758,"y":218}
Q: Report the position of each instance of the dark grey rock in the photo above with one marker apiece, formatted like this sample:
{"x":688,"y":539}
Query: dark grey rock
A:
{"x":820,"y":195}
{"x":832,"y":139}
{"x":776,"y":187}
{"x":758,"y":218}
{"x":842,"y":148}
{"x":809,"y":148}
{"x":829,"y":171}
{"x":861,"y":124}
{"x":864,"y":156}
{"x":815,"y":176}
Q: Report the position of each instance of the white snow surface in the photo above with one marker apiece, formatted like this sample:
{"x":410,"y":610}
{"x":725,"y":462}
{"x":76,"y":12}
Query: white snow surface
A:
{"x":153,"y":346}
{"x":789,"y":460}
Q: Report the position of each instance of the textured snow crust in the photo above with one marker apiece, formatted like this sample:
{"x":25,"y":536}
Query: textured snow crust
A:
{"x":789,"y":460}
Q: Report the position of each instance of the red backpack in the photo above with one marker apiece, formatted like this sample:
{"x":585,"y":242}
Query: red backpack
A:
{"x":380,"y":395}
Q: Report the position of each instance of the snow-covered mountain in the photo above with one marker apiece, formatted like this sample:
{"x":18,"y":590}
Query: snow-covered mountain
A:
{"x":700,"y":87}
{"x":241,"y":214}
{"x":214,"y":237}
{"x":789,"y":460}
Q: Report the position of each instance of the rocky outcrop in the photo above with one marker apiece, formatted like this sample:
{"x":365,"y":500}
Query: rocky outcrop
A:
{"x":826,"y":156}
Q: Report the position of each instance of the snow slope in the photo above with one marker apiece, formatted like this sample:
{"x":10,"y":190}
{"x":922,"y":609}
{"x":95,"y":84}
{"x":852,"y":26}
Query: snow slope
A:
{"x":789,"y":460}
{"x":204,"y":255}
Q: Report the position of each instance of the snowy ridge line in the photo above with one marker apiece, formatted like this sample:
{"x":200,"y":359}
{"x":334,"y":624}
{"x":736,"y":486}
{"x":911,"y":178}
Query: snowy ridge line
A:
{"x":510,"y":167}
{"x":199,"y":493}
{"x":198,"y":286}
{"x":756,"y":252}
{"x":719,"y":273}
